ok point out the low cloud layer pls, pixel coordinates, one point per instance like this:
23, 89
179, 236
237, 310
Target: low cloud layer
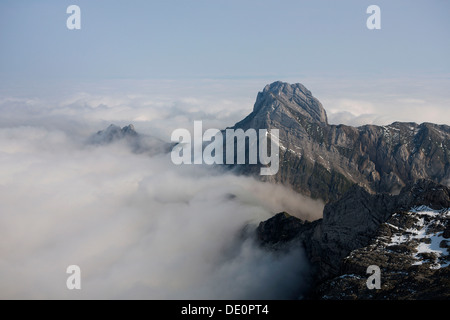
138, 226
384, 101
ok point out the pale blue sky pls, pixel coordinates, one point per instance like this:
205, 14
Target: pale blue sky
222, 39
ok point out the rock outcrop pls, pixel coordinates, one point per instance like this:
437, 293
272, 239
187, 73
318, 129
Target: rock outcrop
113, 133
412, 250
349, 238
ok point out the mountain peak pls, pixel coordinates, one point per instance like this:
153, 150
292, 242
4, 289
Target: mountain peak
323, 161
292, 99
113, 133
280, 86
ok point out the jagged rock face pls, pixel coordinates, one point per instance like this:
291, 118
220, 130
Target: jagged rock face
357, 220
137, 142
323, 160
350, 223
360, 172
279, 100
113, 133
282, 227
412, 250
353, 221
424, 193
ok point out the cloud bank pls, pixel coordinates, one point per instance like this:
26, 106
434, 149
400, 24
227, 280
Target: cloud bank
376, 101
138, 226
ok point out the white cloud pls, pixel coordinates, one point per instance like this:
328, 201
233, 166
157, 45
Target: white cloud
138, 226
383, 101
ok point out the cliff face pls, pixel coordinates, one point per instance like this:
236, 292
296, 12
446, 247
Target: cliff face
323, 160
363, 229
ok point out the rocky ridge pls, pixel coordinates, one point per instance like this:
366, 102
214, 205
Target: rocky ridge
323, 160
412, 249
137, 142
113, 133
361, 229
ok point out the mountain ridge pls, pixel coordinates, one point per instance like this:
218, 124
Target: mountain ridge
387, 198
323, 160
137, 142
347, 240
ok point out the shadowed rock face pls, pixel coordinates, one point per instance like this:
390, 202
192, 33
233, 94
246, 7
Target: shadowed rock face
137, 142
412, 251
349, 238
323, 161
113, 133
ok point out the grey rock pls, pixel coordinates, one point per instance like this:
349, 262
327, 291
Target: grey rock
138, 143
323, 161
408, 271
113, 133
281, 228
371, 177
356, 224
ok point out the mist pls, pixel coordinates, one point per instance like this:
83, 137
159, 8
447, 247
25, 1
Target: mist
138, 226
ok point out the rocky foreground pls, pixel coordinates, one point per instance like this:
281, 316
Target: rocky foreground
407, 236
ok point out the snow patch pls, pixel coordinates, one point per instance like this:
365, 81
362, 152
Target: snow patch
428, 241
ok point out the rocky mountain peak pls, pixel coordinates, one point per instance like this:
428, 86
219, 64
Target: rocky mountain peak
137, 142
292, 99
113, 133
129, 129
323, 160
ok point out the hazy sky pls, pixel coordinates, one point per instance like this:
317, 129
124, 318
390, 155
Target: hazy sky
222, 38
401, 72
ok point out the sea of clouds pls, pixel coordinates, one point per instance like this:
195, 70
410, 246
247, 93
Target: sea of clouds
137, 225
